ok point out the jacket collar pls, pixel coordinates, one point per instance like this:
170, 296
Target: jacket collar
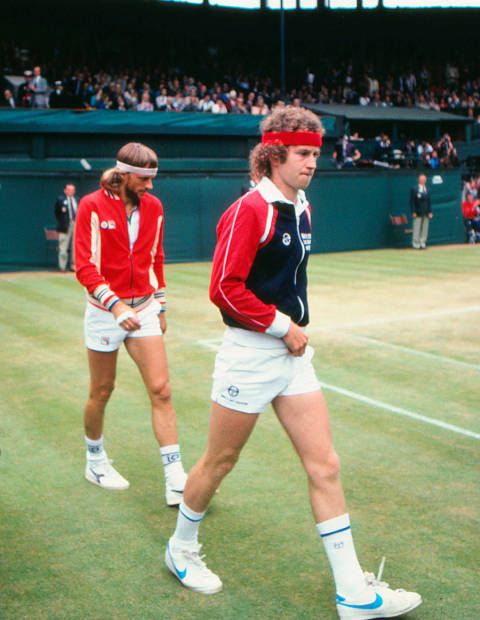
270, 192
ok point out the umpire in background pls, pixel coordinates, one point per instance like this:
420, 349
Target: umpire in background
421, 208
65, 212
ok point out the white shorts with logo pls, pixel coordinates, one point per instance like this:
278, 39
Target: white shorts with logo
103, 334
247, 378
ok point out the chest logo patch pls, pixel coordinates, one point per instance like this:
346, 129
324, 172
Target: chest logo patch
286, 239
107, 225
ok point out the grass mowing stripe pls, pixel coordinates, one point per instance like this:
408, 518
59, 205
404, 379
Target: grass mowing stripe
410, 351
399, 410
394, 319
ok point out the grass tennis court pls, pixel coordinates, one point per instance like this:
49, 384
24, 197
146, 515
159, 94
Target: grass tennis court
397, 341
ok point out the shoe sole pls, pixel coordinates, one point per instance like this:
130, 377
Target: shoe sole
380, 614
207, 591
104, 486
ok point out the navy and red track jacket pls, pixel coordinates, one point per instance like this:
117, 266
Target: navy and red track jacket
259, 278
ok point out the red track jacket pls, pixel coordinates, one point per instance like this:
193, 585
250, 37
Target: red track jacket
105, 265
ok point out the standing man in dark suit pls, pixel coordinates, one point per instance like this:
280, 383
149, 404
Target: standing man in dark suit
65, 212
421, 208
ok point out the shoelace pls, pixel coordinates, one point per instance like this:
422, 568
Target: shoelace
194, 556
376, 581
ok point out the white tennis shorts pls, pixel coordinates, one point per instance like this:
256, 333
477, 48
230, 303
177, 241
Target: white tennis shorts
103, 334
247, 379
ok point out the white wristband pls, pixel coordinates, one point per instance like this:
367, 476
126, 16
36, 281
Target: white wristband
128, 314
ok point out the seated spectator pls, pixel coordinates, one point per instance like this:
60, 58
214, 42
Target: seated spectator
161, 100
471, 218
120, 104
131, 97
145, 104
219, 106
346, 155
238, 105
383, 148
206, 103
432, 160
58, 98
260, 107
8, 99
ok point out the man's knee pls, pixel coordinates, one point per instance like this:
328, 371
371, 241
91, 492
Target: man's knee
325, 470
221, 464
102, 392
160, 392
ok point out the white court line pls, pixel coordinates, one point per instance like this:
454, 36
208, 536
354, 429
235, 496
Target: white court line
214, 344
398, 347
393, 319
399, 411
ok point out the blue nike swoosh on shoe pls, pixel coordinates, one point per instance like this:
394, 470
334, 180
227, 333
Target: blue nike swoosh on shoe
181, 574
374, 605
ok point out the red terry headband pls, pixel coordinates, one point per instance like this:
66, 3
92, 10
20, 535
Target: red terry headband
293, 138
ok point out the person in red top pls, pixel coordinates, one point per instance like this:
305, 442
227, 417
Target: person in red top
119, 261
471, 217
259, 284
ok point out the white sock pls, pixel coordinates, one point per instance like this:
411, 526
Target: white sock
337, 540
172, 466
188, 523
95, 449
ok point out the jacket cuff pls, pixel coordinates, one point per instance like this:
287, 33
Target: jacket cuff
280, 325
105, 296
161, 298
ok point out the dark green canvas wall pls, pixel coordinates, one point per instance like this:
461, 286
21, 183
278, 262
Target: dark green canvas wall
351, 211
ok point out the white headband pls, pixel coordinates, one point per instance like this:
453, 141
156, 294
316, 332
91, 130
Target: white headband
144, 172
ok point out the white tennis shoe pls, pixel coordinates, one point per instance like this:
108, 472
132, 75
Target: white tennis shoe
174, 489
188, 566
104, 475
384, 602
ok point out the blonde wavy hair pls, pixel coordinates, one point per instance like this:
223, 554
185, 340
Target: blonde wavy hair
284, 119
134, 154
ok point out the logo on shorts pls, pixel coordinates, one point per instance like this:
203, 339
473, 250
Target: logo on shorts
107, 224
286, 239
105, 340
233, 391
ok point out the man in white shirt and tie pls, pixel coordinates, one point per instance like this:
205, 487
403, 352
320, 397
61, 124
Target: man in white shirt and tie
421, 208
65, 212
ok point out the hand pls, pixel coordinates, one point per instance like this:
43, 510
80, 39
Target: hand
296, 340
163, 322
130, 324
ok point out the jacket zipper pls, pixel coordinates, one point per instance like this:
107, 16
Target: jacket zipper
302, 307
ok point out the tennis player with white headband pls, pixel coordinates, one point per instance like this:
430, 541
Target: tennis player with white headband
120, 258
259, 284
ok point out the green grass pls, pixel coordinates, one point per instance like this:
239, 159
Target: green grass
71, 551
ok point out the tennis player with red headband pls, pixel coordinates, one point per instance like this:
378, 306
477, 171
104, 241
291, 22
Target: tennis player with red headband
259, 283
118, 245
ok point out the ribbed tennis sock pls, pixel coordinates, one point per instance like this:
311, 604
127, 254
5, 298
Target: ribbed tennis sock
188, 524
337, 540
95, 449
172, 466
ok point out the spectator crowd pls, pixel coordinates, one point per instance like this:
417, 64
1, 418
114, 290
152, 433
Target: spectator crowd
458, 91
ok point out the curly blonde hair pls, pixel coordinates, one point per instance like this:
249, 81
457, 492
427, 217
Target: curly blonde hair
134, 154
284, 119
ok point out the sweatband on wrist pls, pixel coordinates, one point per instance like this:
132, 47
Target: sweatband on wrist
112, 303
